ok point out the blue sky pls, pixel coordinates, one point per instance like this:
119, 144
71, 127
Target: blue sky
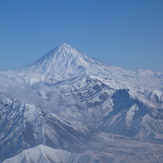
125, 33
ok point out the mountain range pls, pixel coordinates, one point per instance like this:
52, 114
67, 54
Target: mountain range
68, 107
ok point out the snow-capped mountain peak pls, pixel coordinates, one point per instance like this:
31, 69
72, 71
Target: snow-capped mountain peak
62, 56
61, 63
65, 63
63, 50
60, 99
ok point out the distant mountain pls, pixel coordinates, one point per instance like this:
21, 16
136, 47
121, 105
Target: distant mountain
65, 62
76, 105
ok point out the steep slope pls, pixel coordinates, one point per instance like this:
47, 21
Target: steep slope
86, 92
69, 101
44, 154
61, 63
24, 126
107, 106
142, 153
65, 62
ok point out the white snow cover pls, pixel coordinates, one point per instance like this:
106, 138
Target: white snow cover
130, 114
45, 154
65, 62
66, 91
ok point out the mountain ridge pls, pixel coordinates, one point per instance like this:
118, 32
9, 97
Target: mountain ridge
65, 62
69, 101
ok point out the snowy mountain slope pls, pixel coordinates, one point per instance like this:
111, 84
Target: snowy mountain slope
114, 110
64, 62
89, 102
118, 149
69, 101
106, 148
44, 154
24, 126
40, 127
11, 125
89, 93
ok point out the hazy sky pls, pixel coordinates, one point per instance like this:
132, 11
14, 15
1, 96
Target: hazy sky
125, 33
